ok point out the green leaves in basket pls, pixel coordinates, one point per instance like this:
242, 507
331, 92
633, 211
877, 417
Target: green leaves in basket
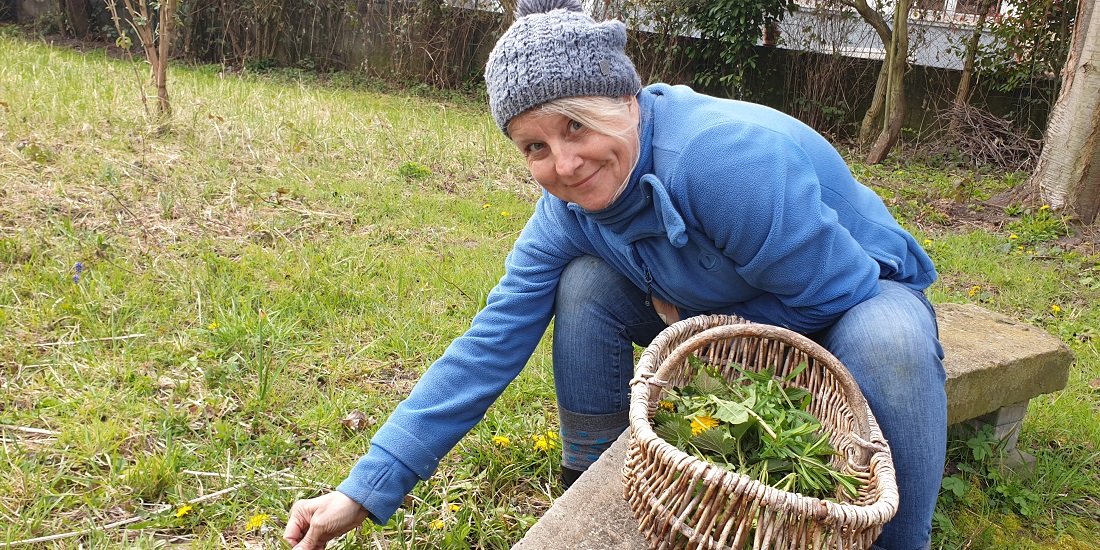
757, 425
672, 428
719, 442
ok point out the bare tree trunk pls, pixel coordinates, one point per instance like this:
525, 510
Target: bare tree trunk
887, 111
873, 117
166, 30
895, 66
962, 93
156, 42
1068, 172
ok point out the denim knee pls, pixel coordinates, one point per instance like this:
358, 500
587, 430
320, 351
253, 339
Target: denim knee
582, 278
598, 317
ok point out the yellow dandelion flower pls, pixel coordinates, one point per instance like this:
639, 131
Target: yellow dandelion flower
1013, 236
214, 325
505, 214
437, 525
974, 290
1055, 309
541, 443
454, 507
501, 441
551, 435
1044, 207
1021, 247
666, 405
700, 424
486, 205
927, 242
255, 522
184, 510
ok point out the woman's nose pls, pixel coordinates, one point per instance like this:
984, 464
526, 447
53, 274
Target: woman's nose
567, 161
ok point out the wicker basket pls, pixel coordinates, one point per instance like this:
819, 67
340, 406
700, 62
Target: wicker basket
681, 501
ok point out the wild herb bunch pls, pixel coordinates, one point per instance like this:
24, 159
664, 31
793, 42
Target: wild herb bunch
758, 426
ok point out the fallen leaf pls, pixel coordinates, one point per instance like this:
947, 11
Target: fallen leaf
203, 410
1094, 383
357, 420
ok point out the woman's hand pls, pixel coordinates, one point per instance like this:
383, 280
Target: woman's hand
315, 521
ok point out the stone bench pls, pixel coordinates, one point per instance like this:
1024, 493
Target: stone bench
994, 365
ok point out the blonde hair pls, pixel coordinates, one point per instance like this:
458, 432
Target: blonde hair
607, 115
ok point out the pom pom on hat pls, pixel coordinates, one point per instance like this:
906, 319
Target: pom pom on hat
554, 50
527, 7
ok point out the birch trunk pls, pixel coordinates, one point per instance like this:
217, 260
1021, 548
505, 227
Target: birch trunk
1068, 172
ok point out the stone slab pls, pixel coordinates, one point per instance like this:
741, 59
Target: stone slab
992, 361
592, 514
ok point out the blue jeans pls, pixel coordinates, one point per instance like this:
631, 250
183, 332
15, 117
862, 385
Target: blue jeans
890, 344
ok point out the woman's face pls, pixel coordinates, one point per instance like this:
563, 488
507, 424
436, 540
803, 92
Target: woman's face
573, 162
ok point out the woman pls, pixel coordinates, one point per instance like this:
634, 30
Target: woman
659, 204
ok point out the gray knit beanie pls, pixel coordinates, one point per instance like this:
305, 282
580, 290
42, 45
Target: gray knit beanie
554, 50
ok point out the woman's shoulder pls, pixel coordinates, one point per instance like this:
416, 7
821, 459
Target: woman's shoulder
682, 101
698, 126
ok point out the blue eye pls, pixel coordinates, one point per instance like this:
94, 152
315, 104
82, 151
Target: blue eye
574, 125
535, 147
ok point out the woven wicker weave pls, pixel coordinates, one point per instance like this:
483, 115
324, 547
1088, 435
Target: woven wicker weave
681, 501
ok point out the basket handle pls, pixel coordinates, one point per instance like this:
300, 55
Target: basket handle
742, 330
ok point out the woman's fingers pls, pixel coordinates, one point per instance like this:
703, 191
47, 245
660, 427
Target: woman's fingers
315, 521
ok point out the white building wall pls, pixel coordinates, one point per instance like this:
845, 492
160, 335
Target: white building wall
936, 37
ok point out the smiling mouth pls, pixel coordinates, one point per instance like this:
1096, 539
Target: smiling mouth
590, 177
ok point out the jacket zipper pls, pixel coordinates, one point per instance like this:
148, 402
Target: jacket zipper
646, 274
648, 286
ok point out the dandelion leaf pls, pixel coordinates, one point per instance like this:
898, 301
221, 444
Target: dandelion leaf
796, 394
730, 411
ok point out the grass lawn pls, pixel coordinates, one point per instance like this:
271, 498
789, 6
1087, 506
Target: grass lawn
202, 322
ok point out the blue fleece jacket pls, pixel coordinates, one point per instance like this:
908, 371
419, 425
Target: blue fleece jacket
732, 208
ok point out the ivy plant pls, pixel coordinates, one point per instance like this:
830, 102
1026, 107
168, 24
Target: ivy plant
728, 31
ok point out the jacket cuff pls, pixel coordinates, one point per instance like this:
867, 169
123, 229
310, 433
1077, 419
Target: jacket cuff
379, 483
405, 448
